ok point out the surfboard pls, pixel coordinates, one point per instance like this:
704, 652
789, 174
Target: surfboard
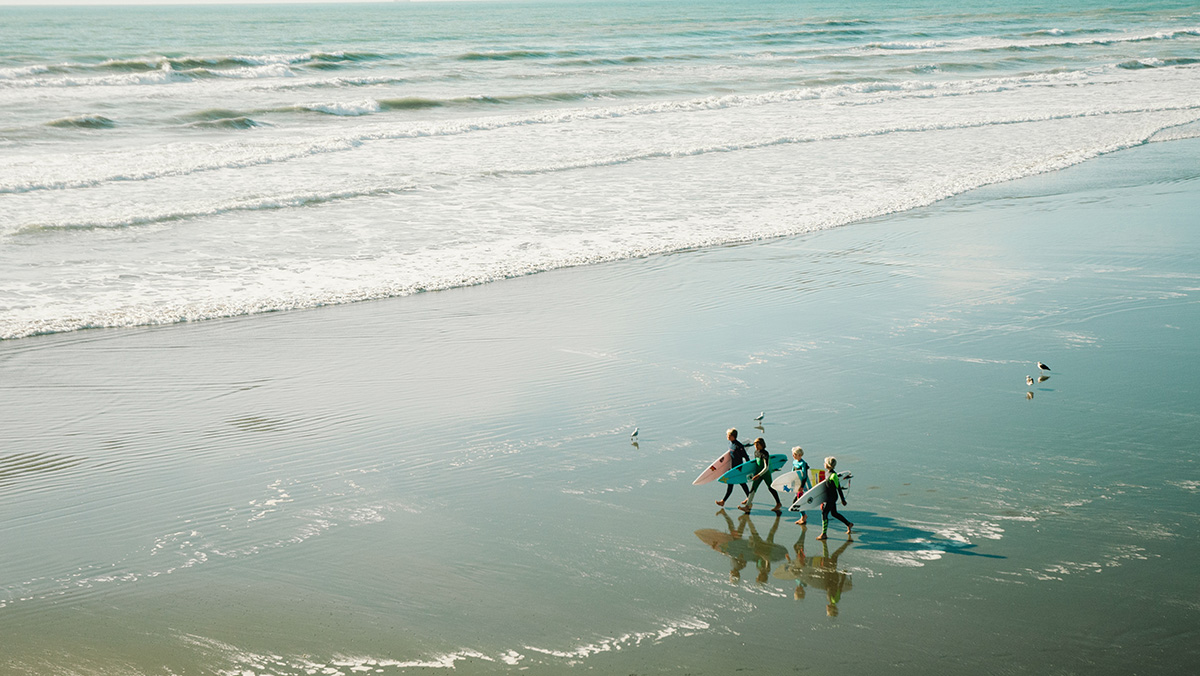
818, 474
814, 496
788, 483
742, 473
719, 466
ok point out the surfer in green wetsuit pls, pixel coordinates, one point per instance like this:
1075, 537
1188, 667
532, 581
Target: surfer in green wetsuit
830, 505
763, 476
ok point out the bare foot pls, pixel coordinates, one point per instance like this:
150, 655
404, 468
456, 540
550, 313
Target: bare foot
849, 528
744, 509
821, 536
720, 503
803, 520
778, 508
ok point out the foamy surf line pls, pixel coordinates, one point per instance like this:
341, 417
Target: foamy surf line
289, 201
242, 662
485, 262
251, 155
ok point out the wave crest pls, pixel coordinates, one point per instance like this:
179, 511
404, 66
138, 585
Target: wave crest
83, 122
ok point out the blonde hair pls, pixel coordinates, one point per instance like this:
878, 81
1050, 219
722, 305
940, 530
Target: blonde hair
797, 449
831, 462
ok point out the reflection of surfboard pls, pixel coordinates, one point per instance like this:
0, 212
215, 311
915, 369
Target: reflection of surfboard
739, 547
747, 548
720, 466
816, 574
790, 572
715, 538
742, 473
814, 496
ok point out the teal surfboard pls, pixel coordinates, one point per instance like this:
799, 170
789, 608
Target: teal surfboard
742, 473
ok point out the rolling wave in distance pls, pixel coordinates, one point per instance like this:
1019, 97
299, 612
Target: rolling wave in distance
206, 174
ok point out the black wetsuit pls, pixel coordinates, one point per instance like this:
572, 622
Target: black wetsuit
738, 450
830, 505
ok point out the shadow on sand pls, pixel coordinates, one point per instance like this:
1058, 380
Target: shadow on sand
883, 533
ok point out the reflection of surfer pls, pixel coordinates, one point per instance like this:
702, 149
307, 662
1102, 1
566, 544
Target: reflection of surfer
738, 450
737, 555
817, 572
835, 580
742, 550
797, 565
730, 544
830, 505
765, 551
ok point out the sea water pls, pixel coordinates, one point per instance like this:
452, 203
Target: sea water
167, 164
445, 483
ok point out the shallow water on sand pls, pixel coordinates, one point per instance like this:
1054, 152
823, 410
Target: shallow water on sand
447, 480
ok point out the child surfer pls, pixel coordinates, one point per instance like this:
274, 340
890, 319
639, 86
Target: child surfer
801, 467
830, 505
763, 476
738, 450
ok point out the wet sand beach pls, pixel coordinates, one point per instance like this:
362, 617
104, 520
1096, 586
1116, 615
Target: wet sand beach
446, 482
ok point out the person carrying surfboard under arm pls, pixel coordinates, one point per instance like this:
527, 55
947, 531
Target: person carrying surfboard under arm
830, 505
801, 467
738, 450
764, 475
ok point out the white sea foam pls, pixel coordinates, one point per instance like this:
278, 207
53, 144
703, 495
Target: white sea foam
346, 108
30, 173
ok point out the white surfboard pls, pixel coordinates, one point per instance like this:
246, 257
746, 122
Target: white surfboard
787, 483
819, 493
719, 466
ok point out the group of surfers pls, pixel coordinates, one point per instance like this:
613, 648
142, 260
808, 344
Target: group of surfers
738, 451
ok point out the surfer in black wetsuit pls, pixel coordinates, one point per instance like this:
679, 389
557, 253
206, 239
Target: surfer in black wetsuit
738, 450
831, 498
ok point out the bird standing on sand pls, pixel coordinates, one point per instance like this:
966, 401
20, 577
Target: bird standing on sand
634, 435
1043, 366
760, 417
1028, 380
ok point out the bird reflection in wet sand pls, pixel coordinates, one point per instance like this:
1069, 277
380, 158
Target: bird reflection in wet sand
1029, 395
1042, 379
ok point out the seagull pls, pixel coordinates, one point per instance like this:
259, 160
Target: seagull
1043, 366
634, 435
760, 417
1028, 380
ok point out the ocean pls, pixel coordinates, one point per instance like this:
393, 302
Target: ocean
169, 164
865, 221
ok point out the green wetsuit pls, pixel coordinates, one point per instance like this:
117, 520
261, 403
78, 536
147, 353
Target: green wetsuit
763, 459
